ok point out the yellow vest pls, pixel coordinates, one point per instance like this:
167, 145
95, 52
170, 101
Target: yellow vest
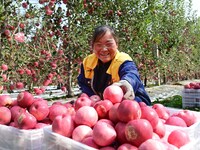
90, 62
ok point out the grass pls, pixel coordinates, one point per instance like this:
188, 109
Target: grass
175, 102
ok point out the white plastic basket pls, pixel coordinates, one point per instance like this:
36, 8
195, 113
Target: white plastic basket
16, 139
190, 98
193, 131
54, 141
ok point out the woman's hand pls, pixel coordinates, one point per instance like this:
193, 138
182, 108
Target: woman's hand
127, 89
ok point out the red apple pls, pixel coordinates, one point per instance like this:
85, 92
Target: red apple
5, 115
19, 85
14, 103
152, 144
112, 113
46, 121
4, 67
178, 138
82, 101
187, 86
63, 125
120, 129
113, 93
127, 146
80, 132
128, 110
16, 110
56, 110
68, 104
71, 111
192, 85
197, 86
12, 124
175, 121
57, 102
38, 91
39, 109
25, 121
107, 121
138, 131
142, 104
95, 98
12, 87
187, 115
63, 88
5, 100
103, 134
90, 142
86, 115
25, 99
160, 129
107, 148
41, 99
150, 114
103, 107
83, 95
40, 125
161, 111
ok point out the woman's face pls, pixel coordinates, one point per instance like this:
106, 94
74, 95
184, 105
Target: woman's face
105, 48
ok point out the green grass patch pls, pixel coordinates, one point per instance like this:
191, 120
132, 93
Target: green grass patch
174, 102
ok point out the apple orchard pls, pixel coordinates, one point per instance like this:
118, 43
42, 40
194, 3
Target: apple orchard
43, 42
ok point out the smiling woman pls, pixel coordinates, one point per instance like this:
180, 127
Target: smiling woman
107, 66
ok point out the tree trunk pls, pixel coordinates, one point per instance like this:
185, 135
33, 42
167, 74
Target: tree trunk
145, 81
164, 78
157, 55
70, 92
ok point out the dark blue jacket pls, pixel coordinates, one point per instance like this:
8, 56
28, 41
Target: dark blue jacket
95, 77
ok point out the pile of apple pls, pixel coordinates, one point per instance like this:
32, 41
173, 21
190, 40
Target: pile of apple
192, 85
26, 112
108, 123
117, 123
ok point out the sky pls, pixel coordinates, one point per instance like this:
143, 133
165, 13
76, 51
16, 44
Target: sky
196, 6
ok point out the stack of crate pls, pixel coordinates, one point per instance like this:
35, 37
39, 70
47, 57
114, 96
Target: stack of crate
191, 96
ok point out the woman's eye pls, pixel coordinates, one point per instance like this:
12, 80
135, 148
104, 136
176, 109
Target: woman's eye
98, 45
109, 44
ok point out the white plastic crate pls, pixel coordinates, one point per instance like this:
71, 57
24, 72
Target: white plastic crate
191, 92
54, 141
16, 139
193, 131
190, 98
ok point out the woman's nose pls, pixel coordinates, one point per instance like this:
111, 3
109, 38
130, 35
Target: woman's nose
104, 47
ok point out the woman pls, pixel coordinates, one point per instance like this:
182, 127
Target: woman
108, 66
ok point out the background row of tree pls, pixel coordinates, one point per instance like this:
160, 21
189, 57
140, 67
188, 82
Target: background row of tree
162, 36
